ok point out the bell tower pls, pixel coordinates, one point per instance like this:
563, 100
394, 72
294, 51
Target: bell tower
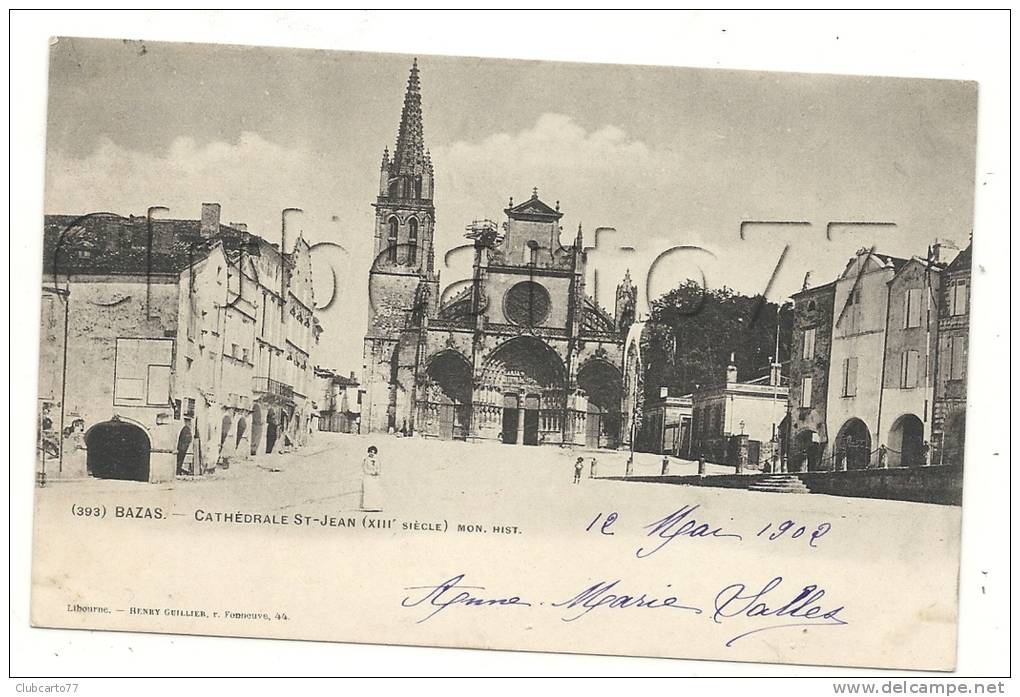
405, 218
403, 286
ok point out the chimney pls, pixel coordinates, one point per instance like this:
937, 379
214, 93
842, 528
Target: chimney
775, 374
731, 369
210, 219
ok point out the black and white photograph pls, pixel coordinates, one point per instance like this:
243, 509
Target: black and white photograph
396, 347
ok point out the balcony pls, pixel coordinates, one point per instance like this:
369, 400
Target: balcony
275, 388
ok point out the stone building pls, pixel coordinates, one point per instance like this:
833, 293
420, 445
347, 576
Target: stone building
169, 330
339, 398
809, 376
666, 426
873, 334
905, 418
860, 316
950, 417
520, 355
741, 422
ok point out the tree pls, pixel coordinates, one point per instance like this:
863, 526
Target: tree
693, 330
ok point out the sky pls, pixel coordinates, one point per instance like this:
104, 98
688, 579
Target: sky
671, 160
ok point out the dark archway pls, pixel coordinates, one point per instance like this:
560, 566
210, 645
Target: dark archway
272, 430
256, 428
118, 450
242, 427
853, 445
906, 442
183, 446
224, 430
806, 454
602, 382
444, 407
530, 376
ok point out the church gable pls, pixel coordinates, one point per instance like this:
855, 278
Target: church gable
533, 209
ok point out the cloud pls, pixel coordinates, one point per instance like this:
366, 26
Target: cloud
253, 178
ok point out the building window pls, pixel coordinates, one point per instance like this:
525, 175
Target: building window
909, 362
912, 308
809, 343
805, 392
391, 242
851, 322
957, 357
849, 377
142, 372
412, 241
958, 298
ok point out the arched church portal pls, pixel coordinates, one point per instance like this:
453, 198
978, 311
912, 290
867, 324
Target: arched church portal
529, 376
603, 385
444, 403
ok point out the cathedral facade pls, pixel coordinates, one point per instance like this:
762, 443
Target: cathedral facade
521, 354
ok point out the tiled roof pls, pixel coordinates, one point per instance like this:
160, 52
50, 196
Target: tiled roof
961, 261
815, 289
107, 243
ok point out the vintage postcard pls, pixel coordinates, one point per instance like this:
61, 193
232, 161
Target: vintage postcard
503, 354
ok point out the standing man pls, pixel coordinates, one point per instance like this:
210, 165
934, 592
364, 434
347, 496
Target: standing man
578, 468
665, 463
594, 464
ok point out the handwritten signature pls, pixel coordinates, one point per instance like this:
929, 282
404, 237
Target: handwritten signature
730, 604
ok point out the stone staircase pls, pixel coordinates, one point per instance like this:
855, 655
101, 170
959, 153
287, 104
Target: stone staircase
781, 483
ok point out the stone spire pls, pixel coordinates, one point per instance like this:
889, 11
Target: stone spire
409, 155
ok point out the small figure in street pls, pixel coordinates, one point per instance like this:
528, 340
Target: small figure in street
701, 464
925, 449
370, 482
665, 463
592, 471
578, 468
630, 466
883, 455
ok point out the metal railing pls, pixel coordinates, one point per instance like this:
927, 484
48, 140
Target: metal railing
274, 387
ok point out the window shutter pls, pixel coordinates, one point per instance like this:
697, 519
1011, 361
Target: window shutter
910, 375
851, 377
959, 359
809, 343
805, 392
960, 298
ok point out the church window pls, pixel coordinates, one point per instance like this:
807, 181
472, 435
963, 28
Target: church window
527, 304
391, 242
412, 241
532, 252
